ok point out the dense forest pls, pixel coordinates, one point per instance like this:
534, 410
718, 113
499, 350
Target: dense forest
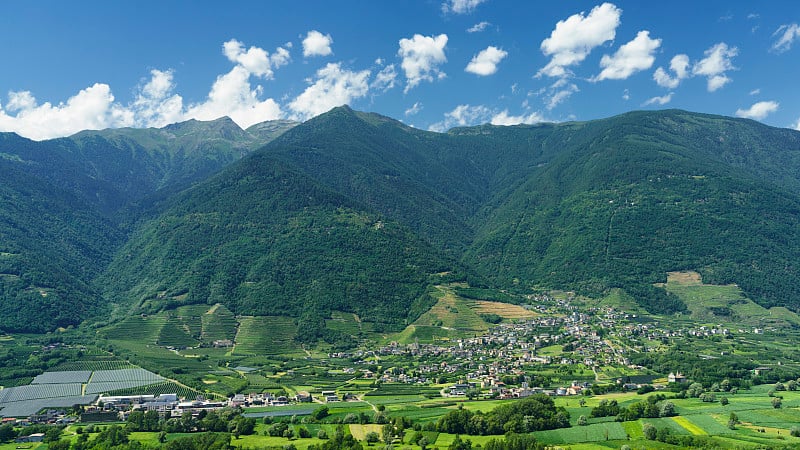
357, 212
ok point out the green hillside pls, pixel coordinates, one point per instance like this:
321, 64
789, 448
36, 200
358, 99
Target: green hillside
61, 204
357, 214
627, 199
262, 239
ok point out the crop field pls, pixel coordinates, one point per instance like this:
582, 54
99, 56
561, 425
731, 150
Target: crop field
452, 312
589, 433
178, 331
38, 391
218, 324
92, 365
269, 335
143, 329
167, 387
29, 407
360, 431
345, 322
504, 310
77, 376
724, 303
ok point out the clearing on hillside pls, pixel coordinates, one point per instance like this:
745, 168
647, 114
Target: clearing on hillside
504, 310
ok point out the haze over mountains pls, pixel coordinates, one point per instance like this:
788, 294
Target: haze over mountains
357, 212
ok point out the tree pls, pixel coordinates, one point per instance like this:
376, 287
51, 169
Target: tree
322, 434
776, 402
372, 437
303, 433
458, 444
583, 421
162, 437
423, 443
7, 432
733, 420
320, 413
649, 431
723, 401
387, 433
667, 409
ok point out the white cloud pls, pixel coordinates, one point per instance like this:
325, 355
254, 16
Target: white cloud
503, 118
462, 116
486, 61
317, 44
663, 100
255, 60
422, 56
635, 56
232, 95
417, 107
626, 95
758, 111
92, 108
679, 66
715, 64
385, 79
334, 87
154, 104
460, 6
755, 92
796, 125
788, 34
574, 38
478, 27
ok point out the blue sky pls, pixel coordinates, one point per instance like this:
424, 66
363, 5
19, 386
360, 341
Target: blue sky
434, 64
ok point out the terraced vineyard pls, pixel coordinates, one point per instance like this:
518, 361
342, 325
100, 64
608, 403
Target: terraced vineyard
218, 324
176, 332
143, 329
271, 335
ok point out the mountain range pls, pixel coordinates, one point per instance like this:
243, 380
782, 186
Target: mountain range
357, 212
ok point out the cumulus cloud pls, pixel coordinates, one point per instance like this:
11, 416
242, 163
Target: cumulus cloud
635, 56
333, 87
385, 79
255, 60
422, 56
92, 108
626, 95
574, 38
462, 116
460, 6
317, 44
758, 111
663, 100
787, 34
503, 118
796, 125
478, 27
154, 104
717, 61
417, 107
485, 63
679, 66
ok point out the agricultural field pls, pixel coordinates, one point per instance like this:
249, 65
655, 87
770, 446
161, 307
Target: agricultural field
726, 304
269, 335
67, 388
504, 310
